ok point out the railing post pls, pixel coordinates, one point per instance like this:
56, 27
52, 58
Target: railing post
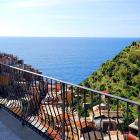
139, 122
63, 111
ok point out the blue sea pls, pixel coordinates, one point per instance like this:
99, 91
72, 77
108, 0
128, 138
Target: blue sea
68, 59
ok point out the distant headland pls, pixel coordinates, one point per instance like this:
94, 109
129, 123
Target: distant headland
12, 60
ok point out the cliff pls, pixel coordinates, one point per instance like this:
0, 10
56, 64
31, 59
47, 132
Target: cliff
120, 76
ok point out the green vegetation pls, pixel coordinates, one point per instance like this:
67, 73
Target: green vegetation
121, 75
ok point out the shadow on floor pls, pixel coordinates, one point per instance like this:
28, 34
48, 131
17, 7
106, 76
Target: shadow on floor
11, 129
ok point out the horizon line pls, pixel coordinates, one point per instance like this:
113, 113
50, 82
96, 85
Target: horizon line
69, 36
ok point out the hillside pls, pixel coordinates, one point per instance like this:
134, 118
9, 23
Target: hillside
121, 75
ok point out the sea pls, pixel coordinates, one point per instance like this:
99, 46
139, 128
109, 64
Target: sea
69, 59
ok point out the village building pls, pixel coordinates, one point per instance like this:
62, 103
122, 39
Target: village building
133, 130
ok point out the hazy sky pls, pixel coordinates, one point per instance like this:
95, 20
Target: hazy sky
90, 18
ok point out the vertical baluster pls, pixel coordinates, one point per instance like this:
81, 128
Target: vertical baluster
139, 122
59, 117
101, 119
67, 112
73, 107
117, 119
54, 110
63, 111
50, 110
84, 103
47, 115
108, 111
127, 117
93, 123
79, 109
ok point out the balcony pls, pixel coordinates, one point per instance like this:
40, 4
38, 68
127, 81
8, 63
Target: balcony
55, 109
11, 129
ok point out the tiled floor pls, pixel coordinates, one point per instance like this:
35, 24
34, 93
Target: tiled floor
11, 129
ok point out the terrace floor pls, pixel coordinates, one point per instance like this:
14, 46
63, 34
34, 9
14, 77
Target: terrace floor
11, 128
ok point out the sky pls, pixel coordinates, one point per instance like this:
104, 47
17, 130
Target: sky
70, 18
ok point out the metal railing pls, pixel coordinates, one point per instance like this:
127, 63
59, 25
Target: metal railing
61, 110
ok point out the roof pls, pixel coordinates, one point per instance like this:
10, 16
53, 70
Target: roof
99, 137
84, 124
68, 117
111, 114
133, 125
92, 135
106, 91
99, 105
105, 120
114, 136
13, 104
51, 110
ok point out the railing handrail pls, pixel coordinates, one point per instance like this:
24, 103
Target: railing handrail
78, 86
